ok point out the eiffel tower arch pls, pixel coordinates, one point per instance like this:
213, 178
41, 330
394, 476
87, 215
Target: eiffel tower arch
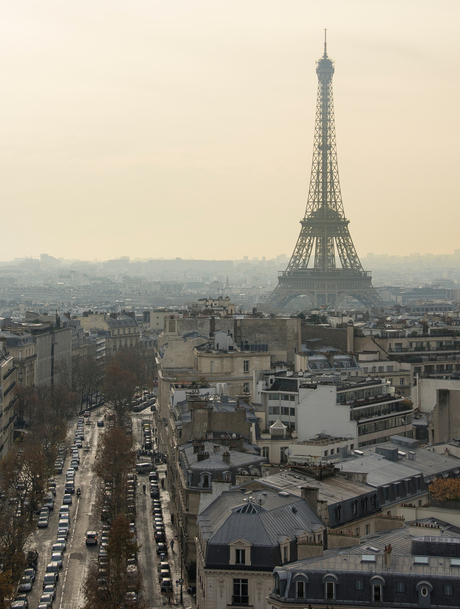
324, 265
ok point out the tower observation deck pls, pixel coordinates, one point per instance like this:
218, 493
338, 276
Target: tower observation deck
324, 265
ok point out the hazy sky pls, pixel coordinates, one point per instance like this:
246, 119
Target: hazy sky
167, 128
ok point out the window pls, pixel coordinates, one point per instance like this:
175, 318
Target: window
377, 593
246, 365
389, 368
401, 381
212, 367
400, 586
240, 592
359, 584
284, 410
292, 412
266, 452
368, 529
273, 410
330, 590
246, 387
300, 589
448, 590
285, 554
205, 479
240, 557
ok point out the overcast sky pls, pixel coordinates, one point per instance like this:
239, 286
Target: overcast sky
184, 128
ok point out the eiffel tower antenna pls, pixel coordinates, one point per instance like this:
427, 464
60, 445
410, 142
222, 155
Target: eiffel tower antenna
324, 265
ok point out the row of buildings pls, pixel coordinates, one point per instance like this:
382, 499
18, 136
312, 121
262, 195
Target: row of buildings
42, 350
300, 476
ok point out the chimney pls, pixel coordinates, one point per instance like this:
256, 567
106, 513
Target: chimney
310, 494
203, 456
226, 457
212, 327
387, 555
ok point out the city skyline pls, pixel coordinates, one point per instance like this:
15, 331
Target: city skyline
185, 130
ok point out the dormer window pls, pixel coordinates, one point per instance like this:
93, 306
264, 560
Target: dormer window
240, 553
205, 481
240, 557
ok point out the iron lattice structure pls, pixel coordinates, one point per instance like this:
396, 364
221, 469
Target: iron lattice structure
321, 276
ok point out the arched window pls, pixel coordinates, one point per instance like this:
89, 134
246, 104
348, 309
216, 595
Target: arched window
374, 501
338, 512
227, 476
329, 582
377, 584
205, 480
355, 507
300, 585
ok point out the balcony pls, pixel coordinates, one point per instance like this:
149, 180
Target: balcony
10, 388
9, 373
372, 400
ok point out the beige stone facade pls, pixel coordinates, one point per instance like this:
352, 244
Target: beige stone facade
122, 329
8, 381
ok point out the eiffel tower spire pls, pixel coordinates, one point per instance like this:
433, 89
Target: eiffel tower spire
324, 264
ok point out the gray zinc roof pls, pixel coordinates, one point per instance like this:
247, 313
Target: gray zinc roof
263, 520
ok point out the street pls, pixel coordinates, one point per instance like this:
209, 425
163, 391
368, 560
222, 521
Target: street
77, 557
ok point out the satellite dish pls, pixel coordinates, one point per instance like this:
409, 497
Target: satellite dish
288, 452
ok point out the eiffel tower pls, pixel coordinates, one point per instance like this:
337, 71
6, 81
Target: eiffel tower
321, 276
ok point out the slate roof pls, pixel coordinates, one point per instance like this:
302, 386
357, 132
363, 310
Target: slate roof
402, 559
381, 471
426, 461
264, 520
332, 489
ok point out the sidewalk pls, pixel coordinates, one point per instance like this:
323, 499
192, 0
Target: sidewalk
173, 556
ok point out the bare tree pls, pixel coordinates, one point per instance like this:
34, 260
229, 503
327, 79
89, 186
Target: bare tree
114, 460
119, 386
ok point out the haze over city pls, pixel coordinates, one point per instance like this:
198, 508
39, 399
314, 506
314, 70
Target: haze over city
184, 129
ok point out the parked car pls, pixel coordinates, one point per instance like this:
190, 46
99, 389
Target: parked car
29, 573
49, 579
51, 590
25, 585
57, 557
58, 548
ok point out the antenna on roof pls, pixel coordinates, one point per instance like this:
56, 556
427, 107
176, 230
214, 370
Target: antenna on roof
325, 42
